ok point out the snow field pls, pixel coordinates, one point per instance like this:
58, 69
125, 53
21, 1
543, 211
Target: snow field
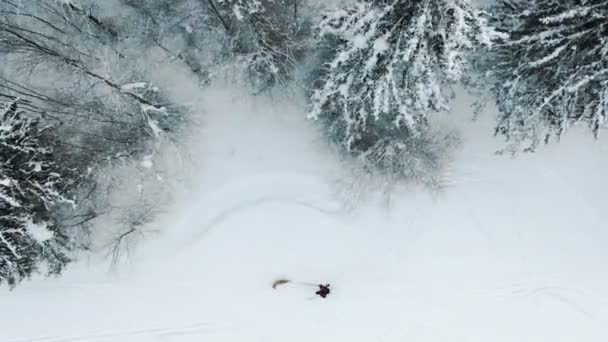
512, 250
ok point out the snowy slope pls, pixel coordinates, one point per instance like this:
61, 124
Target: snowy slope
513, 250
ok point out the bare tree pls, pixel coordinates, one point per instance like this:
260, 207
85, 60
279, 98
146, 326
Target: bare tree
79, 72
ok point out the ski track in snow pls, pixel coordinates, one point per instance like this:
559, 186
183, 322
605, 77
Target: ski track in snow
571, 297
262, 189
248, 205
105, 335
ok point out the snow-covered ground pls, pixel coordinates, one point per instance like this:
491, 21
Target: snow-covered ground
513, 250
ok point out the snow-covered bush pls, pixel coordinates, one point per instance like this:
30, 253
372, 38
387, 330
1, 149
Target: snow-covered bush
390, 65
551, 72
132, 194
32, 184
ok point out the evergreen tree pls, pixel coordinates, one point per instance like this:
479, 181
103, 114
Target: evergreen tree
552, 70
31, 184
391, 64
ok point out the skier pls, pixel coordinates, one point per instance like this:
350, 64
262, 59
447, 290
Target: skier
323, 290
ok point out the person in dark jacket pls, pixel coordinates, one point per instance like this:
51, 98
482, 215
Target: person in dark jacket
323, 290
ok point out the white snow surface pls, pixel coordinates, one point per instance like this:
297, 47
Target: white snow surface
134, 86
513, 250
38, 231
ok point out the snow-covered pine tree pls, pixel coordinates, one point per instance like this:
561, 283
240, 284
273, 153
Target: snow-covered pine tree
31, 184
391, 64
552, 70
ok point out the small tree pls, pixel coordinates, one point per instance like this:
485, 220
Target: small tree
390, 65
551, 72
31, 185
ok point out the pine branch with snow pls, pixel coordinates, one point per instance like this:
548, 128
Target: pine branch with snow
552, 71
392, 64
31, 185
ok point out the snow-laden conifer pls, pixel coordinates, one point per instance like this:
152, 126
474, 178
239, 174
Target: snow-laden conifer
391, 64
31, 184
552, 70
